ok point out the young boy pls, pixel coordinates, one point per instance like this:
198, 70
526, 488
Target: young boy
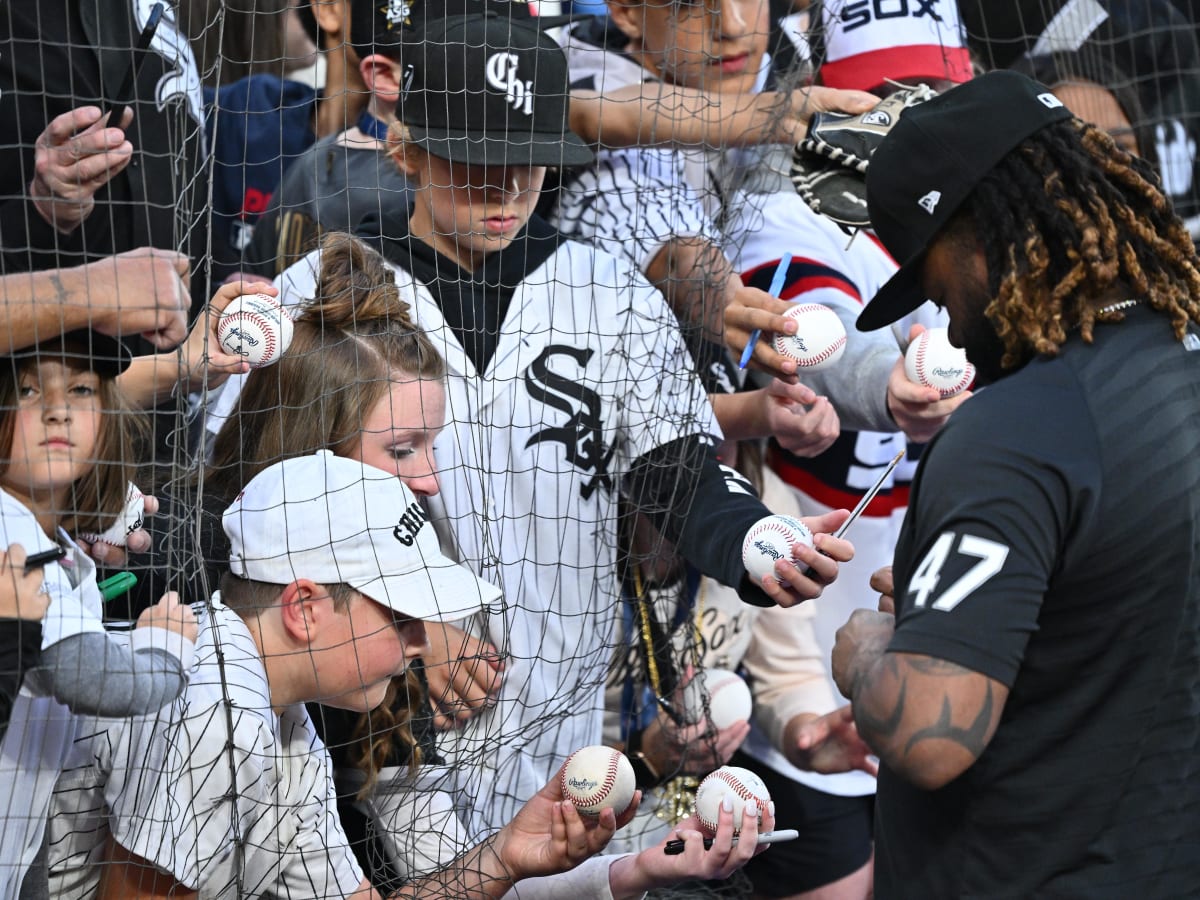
333, 569
568, 382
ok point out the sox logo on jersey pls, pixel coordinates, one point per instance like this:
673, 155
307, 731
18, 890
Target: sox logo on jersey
581, 436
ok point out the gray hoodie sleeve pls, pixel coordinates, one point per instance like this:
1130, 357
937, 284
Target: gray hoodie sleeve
94, 674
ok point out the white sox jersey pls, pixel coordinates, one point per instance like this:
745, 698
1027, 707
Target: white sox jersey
229, 798
589, 374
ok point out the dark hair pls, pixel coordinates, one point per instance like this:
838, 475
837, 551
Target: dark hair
1070, 215
98, 496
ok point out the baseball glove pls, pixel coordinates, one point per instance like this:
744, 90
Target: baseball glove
829, 167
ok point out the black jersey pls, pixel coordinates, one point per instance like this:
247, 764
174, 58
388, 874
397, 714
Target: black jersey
1053, 544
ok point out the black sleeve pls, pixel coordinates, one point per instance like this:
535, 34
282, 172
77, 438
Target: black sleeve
20, 651
702, 507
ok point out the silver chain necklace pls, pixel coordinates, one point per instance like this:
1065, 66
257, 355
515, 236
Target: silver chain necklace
1117, 307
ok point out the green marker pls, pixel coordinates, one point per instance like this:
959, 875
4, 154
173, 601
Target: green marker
121, 583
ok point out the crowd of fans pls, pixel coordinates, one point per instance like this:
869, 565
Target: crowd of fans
489, 505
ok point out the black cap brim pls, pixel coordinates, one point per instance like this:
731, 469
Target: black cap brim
560, 150
900, 295
104, 355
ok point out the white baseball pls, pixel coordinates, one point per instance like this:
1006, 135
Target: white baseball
132, 518
256, 327
598, 778
727, 694
729, 781
933, 361
820, 338
769, 539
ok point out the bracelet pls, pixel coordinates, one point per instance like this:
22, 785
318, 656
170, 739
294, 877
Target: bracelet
644, 774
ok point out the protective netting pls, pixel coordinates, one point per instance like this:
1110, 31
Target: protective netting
525, 335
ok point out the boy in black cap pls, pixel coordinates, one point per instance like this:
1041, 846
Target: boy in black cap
1035, 702
568, 382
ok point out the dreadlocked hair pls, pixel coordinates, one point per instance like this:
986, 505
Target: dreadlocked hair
1063, 219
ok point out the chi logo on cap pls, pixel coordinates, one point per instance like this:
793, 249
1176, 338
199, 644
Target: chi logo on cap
410, 524
397, 13
501, 70
1049, 101
930, 201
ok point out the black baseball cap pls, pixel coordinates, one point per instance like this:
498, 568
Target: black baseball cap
104, 355
487, 90
384, 26
929, 163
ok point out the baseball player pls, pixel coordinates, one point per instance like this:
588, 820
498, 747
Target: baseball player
1034, 701
573, 385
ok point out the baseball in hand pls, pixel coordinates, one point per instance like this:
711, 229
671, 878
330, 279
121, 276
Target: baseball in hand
820, 338
132, 518
933, 361
726, 694
598, 778
770, 539
256, 327
729, 781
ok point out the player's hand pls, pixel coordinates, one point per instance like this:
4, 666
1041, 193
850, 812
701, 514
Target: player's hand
464, 674
171, 615
857, 645
202, 359
751, 309
881, 580
919, 411
548, 835
827, 744
801, 421
74, 157
138, 541
21, 594
811, 568
140, 292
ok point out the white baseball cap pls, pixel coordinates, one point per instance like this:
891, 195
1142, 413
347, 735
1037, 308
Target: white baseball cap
338, 521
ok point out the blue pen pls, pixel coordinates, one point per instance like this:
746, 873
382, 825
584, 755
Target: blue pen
776, 287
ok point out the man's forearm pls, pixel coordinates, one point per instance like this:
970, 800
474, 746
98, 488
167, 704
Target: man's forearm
38, 306
927, 719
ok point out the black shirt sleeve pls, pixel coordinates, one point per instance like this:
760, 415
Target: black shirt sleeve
702, 507
995, 498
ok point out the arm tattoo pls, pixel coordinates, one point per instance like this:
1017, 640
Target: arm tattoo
973, 738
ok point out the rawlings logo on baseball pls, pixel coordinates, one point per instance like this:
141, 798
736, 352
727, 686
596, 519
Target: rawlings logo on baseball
771, 539
598, 778
256, 327
820, 338
931, 360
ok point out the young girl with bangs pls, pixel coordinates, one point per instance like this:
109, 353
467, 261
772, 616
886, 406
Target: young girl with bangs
66, 456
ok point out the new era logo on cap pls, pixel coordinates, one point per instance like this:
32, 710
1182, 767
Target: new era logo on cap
953, 140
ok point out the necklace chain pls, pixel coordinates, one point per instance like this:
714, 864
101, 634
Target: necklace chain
1117, 307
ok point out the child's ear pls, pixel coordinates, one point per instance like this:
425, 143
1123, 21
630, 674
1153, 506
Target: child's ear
304, 607
379, 75
628, 18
